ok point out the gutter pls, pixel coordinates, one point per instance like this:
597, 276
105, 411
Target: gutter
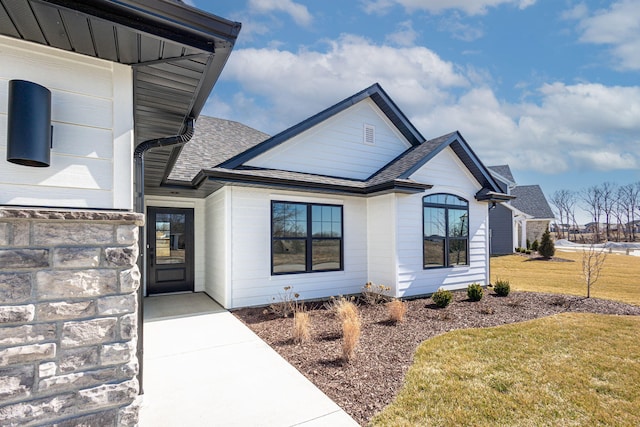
138, 156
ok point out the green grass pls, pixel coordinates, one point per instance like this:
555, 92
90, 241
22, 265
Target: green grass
619, 280
568, 369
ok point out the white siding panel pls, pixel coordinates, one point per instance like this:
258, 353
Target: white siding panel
381, 238
447, 175
199, 226
217, 232
251, 250
92, 118
336, 147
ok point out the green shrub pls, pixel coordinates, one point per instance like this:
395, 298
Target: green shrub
528, 244
502, 287
475, 292
547, 249
442, 297
528, 252
535, 245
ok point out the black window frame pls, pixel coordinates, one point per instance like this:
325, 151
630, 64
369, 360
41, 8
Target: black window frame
446, 239
308, 239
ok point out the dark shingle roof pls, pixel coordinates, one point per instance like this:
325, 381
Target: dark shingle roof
503, 170
530, 200
215, 141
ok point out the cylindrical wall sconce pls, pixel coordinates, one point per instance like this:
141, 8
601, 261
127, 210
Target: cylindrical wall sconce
29, 124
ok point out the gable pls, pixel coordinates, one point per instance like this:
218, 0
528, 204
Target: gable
337, 145
447, 173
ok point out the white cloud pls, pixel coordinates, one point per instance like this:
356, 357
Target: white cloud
470, 7
405, 36
617, 27
569, 127
298, 12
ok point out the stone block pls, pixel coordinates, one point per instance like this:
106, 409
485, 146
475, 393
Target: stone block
27, 353
76, 257
15, 287
27, 334
127, 234
88, 332
129, 415
21, 233
16, 382
123, 393
47, 369
19, 414
72, 233
24, 258
118, 304
117, 353
130, 280
66, 284
129, 327
17, 313
77, 380
108, 418
64, 310
121, 257
4, 234
77, 359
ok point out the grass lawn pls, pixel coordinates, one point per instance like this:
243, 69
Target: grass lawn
569, 369
619, 279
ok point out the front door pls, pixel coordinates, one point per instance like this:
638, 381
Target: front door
169, 250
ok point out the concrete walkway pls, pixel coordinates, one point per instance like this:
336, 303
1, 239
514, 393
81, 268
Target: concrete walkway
203, 367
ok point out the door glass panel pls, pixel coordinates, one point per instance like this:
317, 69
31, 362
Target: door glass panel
170, 238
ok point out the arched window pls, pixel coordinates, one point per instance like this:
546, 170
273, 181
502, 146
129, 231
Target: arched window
445, 230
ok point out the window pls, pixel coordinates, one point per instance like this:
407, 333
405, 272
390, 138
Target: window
305, 237
446, 231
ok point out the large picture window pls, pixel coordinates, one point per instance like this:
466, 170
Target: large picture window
305, 237
445, 231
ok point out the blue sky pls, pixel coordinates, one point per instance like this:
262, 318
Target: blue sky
550, 87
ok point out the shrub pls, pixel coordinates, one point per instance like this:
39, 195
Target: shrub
345, 309
528, 251
301, 330
350, 332
285, 303
502, 287
442, 297
396, 309
375, 294
547, 249
535, 245
528, 244
475, 292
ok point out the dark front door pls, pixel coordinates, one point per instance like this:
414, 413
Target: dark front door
169, 250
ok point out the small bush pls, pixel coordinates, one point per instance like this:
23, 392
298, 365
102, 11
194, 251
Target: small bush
345, 309
396, 309
528, 244
535, 245
502, 287
475, 292
350, 334
442, 297
528, 252
547, 249
375, 294
301, 330
285, 303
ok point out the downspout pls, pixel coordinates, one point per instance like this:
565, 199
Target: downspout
138, 156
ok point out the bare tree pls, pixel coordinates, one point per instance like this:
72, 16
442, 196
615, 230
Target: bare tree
608, 192
592, 199
592, 262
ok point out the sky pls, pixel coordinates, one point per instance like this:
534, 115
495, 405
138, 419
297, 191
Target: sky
549, 87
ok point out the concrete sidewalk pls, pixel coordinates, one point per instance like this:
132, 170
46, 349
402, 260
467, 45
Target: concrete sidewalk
203, 367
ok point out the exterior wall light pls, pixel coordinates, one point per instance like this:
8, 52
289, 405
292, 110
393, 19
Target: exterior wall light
29, 124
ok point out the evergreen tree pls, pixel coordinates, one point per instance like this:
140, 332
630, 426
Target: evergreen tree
547, 249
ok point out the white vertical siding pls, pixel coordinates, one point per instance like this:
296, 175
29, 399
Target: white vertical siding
218, 244
447, 175
92, 116
381, 237
251, 249
336, 147
200, 226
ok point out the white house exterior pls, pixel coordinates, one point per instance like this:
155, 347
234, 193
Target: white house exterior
378, 172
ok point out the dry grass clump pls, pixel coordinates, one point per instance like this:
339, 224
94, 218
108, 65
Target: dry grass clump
396, 310
301, 327
347, 312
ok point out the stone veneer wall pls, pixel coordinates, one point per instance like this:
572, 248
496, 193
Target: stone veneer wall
535, 229
68, 317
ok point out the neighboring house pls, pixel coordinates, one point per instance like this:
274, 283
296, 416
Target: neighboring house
526, 217
86, 87
350, 195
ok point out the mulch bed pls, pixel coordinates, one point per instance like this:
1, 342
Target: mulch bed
369, 382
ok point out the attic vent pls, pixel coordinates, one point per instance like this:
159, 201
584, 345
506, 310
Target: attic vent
369, 134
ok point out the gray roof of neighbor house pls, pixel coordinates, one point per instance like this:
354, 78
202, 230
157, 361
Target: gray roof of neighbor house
177, 53
503, 171
530, 200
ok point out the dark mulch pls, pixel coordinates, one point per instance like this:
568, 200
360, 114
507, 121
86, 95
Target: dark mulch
369, 382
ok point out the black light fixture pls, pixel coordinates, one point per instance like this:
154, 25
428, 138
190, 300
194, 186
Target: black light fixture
29, 124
